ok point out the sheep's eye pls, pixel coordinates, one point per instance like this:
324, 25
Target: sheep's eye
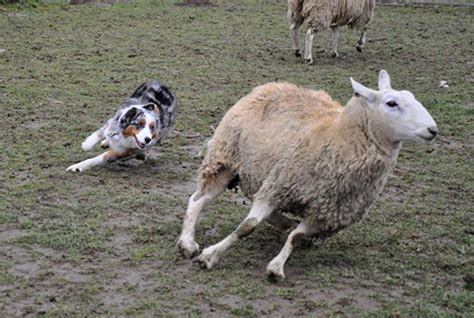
392, 104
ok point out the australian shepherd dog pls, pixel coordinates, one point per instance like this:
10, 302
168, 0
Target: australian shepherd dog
144, 120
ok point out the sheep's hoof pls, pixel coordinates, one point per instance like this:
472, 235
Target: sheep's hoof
275, 273
207, 259
188, 249
309, 61
297, 53
334, 54
359, 48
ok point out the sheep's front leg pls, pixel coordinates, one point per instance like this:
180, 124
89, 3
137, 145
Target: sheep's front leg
361, 42
260, 211
186, 244
275, 267
335, 41
309, 46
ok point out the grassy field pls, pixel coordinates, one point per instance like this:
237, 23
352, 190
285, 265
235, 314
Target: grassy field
103, 242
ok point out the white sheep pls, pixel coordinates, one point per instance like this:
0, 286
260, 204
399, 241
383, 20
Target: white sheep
298, 151
324, 14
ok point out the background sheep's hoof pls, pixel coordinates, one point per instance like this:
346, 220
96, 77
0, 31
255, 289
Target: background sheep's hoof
309, 61
188, 249
334, 54
297, 53
359, 48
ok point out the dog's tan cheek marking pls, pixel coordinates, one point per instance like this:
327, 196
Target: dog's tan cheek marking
154, 135
130, 131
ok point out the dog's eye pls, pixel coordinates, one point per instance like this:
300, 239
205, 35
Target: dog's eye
392, 104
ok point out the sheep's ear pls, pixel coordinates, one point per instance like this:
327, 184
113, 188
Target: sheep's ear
360, 90
384, 80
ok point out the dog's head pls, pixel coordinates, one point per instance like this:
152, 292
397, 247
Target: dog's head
140, 123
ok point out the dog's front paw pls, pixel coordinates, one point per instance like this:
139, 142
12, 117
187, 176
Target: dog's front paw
86, 146
78, 167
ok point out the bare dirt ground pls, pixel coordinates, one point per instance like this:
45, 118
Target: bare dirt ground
102, 243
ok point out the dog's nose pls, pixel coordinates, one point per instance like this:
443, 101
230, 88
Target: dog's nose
147, 140
433, 130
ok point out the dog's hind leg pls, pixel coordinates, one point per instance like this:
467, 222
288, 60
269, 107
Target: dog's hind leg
109, 156
94, 139
104, 144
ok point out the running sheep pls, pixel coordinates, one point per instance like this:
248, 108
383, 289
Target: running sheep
296, 150
324, 14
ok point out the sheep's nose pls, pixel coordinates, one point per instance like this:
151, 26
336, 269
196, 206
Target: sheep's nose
148, 139
433, 130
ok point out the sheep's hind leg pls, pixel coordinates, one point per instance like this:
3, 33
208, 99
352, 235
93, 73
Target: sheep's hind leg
308, 57
207, 191
361, 42
275, 267
210, 256
335, 41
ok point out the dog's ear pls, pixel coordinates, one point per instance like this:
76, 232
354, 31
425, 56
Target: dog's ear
152, 107
139, 91
164, 96
128, 117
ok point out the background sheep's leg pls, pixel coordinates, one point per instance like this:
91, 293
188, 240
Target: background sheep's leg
361, 42
309, 46
335, 41
275, 267
186, 244
295, 20
210, 256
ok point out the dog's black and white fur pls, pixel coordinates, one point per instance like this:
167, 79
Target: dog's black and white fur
144, 120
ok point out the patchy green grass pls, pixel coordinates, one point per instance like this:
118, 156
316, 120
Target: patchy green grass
103, 242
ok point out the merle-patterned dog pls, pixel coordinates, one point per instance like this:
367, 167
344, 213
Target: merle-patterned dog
144, 120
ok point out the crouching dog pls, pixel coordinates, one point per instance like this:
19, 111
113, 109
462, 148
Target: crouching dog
144, 120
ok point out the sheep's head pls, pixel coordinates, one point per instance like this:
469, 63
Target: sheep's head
404, 118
